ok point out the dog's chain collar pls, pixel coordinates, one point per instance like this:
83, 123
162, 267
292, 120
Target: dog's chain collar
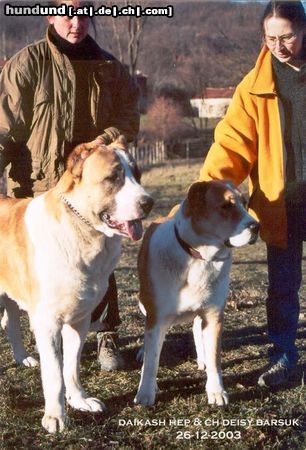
190, 250
76, 212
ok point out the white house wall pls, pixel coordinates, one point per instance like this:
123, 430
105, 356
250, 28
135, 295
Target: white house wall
210, 108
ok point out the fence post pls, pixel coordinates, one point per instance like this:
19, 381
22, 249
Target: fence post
187, 150
149, 154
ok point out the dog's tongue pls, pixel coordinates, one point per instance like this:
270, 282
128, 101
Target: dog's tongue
134, 229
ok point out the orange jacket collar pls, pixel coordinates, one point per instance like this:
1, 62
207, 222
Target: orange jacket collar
263, 83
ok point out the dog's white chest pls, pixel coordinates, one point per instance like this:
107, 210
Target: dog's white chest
203, 283
72, 278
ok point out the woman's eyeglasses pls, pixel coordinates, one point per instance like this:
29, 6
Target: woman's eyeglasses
284, 39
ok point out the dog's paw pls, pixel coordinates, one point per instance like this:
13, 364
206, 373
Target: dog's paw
86, 404
53, 424
145, 398
27, 361
201, 365
218, 398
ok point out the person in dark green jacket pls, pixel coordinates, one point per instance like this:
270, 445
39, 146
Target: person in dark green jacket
55, 94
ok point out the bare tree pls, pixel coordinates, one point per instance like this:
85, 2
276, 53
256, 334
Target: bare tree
128, 33
165, 120
135, 29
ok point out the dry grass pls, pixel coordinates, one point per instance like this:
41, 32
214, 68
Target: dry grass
182, 395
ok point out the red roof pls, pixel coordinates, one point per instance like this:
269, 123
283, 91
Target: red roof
222, 92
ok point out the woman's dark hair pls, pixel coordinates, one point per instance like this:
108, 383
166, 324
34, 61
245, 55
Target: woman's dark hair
290, 10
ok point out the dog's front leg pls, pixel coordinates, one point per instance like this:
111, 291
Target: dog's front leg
153, 342
73, 341
11, 324
198, 340
48, 339
212, 332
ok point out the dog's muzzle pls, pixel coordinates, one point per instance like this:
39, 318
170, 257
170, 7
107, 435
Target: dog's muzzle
131, 228
253, 229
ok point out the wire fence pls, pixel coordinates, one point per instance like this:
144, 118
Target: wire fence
153, 153
149, 154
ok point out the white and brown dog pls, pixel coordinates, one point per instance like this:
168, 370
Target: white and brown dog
184, 265
56, 254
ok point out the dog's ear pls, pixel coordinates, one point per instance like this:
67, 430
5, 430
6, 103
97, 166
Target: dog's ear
120, 143
77, 157
196, 197
121, 140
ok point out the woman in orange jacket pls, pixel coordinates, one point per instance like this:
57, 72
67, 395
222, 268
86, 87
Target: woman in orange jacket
263, 136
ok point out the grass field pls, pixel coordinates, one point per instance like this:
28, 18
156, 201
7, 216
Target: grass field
181, 418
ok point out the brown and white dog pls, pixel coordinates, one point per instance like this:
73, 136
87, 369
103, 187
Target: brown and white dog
56, 254
184, 265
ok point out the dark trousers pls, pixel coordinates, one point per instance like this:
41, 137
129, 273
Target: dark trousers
285, 277
108, 306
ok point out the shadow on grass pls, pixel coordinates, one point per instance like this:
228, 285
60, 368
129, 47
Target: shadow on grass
241, 387
179, 347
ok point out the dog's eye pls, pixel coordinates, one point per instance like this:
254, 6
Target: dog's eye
115, 176
244, 202
112, 178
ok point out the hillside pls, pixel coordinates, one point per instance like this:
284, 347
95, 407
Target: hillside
203, 44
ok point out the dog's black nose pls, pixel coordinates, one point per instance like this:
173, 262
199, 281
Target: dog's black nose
254, 227
146, 203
